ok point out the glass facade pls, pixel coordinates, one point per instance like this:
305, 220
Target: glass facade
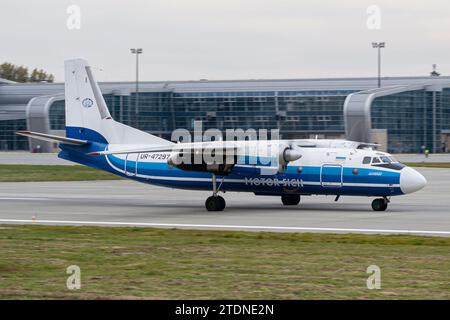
445, 109
413, 119
297, 113
57, 115
8, 139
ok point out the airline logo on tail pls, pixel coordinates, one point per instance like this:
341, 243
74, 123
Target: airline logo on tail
87, 103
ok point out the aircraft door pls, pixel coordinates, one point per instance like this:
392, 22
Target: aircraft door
331, 175
131, 162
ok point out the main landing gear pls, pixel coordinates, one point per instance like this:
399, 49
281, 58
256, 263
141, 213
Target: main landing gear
380, 204
215, 202
290, 199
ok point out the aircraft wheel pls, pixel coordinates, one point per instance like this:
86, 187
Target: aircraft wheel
379, 204
222, 203
215, 203
290, 199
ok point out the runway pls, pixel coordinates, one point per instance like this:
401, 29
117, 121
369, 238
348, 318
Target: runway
114, 203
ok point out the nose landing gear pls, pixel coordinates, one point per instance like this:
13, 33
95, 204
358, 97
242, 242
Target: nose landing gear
380, 204
215, 202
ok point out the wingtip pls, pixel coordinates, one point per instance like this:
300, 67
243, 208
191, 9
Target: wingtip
23, 132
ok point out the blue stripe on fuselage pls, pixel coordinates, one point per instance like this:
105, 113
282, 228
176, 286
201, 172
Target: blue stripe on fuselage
159, 173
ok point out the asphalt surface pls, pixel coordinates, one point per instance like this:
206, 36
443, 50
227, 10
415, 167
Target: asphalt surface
129, 203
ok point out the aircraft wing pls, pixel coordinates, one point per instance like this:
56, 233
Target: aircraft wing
367, 144
51, 138
305, 144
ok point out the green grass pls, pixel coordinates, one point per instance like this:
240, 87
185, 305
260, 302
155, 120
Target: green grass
176, 264
20, 173
429, 164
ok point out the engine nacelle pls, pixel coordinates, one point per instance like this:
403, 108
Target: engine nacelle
193, 160
279, 156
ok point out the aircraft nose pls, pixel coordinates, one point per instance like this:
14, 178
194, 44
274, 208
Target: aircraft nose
411, 180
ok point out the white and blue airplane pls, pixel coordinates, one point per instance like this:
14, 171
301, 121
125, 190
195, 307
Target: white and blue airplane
302, 167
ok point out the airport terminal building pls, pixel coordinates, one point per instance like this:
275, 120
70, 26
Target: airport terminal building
403, 115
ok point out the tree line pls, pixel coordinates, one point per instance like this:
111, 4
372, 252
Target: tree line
10, 71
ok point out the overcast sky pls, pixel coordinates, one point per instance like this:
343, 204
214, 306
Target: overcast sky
228, 39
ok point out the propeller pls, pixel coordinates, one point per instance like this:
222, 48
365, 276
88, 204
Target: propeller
292, 153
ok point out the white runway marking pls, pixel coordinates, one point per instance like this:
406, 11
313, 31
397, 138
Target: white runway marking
221, 226
24, 199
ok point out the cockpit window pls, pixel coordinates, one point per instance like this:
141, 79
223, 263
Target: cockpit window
366, 160
393, 159
385, 159
387, 162
375, 160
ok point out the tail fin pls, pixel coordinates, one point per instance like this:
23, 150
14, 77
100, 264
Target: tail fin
87, 115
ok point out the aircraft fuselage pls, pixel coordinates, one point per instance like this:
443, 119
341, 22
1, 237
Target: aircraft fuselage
335, 171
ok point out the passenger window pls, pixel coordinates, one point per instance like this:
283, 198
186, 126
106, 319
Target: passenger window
366, 160
375, 160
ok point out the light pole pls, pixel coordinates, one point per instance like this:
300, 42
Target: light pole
379, 45
137, 52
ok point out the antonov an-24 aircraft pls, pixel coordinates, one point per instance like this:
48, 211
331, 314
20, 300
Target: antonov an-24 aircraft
303, 167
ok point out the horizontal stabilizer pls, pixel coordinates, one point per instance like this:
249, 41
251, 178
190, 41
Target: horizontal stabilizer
51, 138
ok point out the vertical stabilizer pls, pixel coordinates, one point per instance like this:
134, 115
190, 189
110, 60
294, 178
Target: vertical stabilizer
87, 115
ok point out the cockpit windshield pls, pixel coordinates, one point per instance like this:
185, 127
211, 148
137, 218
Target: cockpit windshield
376, 160
386, 159
384, 162
381, 159
393, 160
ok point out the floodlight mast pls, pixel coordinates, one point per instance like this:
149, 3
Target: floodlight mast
137, 52
379, 46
